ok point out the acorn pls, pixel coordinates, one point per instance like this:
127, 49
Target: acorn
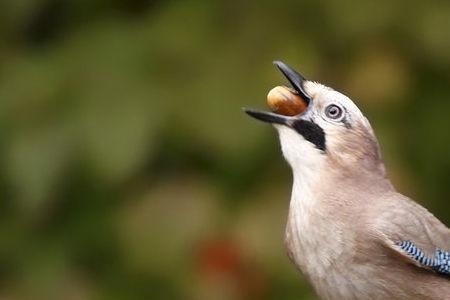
285, 101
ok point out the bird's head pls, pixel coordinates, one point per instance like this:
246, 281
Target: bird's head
331, 131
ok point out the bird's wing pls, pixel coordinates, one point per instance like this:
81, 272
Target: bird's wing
413, 233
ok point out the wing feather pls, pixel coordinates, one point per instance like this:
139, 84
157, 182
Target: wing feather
414, 234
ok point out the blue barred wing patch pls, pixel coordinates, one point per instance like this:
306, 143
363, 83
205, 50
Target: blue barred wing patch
439, 263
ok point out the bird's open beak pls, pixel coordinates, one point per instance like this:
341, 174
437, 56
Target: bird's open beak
297, 81
268, 117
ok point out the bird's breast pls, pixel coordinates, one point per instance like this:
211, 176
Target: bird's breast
314, 243
319, 244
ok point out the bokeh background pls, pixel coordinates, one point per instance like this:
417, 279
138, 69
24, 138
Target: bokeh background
129, 171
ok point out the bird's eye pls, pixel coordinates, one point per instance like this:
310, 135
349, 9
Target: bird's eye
333, 111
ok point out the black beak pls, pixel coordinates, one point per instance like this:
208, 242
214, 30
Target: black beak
301, 123
295, 79
268, 117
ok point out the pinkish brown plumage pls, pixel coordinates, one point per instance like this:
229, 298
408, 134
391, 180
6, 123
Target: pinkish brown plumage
349, 231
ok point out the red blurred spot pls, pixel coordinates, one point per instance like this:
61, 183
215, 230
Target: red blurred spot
219, 256
221, 259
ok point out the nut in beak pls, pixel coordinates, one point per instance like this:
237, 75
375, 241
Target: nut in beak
285, 101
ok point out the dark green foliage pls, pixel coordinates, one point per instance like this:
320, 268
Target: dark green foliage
129, 171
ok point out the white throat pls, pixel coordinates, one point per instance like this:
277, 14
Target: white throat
303, 237
304, 158
307, 163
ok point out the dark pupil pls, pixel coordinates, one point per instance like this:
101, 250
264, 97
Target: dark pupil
333, 111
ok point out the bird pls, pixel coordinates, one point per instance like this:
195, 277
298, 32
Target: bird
349, 231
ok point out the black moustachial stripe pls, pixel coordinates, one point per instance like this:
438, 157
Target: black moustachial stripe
311, 132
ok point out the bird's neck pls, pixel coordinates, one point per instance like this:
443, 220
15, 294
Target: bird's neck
306, 180
310, 237
317, 231
325, 177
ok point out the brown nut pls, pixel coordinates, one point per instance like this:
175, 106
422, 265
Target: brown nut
285, 101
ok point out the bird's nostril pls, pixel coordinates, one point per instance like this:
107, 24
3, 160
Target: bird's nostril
285, 101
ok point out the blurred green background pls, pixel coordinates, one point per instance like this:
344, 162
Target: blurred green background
129, 171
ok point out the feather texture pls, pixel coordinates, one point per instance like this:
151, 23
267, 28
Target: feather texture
349, 231
440, 263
